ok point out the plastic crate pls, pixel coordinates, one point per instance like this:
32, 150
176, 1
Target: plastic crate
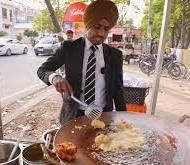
136, 108
134, 95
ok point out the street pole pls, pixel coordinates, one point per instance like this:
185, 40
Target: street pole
162, 42
1, 123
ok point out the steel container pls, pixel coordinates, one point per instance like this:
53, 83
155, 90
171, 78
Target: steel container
33, 155
52, 132
6, 148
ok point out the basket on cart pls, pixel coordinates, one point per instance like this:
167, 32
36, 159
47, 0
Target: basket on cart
135, 92
135, 95
135, 99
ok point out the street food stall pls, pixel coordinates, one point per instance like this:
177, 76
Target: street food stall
128, 40
166, 142
115, 138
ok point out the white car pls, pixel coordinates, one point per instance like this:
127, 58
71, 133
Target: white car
46, 46
9, 46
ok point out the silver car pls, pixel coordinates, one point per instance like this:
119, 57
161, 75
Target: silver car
9, 46
46, 46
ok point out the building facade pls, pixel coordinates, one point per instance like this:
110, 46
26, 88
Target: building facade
23, 16
15, 17
6, 16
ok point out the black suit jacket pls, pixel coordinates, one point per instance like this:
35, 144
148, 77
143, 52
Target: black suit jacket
71, 54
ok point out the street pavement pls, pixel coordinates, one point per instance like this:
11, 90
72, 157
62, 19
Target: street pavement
18, 76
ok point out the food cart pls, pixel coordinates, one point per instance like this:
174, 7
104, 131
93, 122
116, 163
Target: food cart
174, 138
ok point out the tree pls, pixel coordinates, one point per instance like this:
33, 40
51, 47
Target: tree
43, 22
54, 19
30, 33
19, 37
179, 21
157, 12
49, 19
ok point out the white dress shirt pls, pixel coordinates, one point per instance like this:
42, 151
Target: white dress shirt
100, 98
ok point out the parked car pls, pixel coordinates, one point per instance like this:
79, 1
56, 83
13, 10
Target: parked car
10, 46
46, 46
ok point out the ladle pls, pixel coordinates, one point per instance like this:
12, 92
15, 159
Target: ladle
17, 142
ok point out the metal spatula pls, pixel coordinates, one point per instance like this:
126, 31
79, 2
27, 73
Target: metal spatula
91, 111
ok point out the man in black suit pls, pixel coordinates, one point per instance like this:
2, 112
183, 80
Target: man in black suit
93, 69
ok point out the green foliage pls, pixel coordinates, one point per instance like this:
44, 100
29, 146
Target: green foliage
19, 37
157, 13
122, 2
144, 22
43, 22
2, 33
175, 23
123, 9
30, 33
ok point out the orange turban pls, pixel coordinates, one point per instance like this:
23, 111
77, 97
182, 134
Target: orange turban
100, 9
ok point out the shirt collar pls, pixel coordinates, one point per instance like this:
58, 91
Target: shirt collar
88, 44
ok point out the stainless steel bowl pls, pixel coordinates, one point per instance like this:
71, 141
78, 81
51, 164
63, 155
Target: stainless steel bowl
6, 148
52, 132
33, 155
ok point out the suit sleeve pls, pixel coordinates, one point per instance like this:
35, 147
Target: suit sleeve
118, 92
52, 64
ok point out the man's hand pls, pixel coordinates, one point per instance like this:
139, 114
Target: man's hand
62, 85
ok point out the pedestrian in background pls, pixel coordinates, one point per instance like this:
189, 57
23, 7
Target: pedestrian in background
69, 34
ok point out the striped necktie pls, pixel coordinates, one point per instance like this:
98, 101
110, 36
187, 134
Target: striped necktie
89, 88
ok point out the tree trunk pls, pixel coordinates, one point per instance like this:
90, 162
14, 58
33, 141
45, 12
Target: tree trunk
55, 22
187, 40
182, 24
187, 43
186, 24
172, 37
177, 33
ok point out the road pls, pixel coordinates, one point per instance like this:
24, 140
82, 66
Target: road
18, 73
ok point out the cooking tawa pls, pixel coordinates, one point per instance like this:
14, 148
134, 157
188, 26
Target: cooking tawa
79, 132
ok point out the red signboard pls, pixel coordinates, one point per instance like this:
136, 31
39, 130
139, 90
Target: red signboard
75, 12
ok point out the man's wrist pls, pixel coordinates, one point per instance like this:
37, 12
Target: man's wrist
54, 78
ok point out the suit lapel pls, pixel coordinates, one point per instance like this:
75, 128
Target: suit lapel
107, 59
80, 45
106, 55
